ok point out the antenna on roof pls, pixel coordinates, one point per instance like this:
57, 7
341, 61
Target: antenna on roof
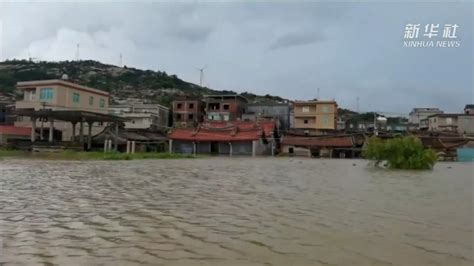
317, 95
120, 62
77, 52
201, 74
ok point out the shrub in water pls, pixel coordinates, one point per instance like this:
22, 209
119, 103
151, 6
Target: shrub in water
400, 153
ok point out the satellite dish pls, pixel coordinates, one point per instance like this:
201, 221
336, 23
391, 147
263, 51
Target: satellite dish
65, 77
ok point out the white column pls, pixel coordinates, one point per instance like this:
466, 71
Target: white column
170, 146
116, 137
254, 147
133, 147
51, 130
106, 143
33, 129
128, 146
230, 149
81, 132
89, 135
73, 131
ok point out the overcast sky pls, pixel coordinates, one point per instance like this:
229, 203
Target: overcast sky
348, 50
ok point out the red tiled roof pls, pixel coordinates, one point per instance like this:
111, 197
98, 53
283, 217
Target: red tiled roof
329, 141
13, 130
225, 131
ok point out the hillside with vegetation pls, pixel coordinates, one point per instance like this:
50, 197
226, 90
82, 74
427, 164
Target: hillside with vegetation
121, 82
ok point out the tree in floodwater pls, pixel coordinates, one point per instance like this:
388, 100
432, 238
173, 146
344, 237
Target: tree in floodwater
399, 153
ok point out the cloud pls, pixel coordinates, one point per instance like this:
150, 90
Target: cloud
296, 39
283, 48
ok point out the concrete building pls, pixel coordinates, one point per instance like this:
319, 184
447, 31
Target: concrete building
466, 124
11, 132
321, 146
59, 95
224, 107
279, 112
225, 138
469, 109
443, 122
315, 115
142, 116
418, 114
187, 112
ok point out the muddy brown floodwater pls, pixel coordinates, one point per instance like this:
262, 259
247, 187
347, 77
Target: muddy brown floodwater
233, 211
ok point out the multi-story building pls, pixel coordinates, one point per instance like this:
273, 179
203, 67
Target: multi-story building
315, 115
466, 124
142, 116
187, 112
418, 114
443, 122
279, 112
224, 107
469, 109
60, 95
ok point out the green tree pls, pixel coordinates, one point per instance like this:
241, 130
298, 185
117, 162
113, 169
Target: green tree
399, 153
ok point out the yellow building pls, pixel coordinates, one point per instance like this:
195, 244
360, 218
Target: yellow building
315, 115
60, 95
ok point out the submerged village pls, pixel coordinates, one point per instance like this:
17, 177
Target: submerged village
59, 114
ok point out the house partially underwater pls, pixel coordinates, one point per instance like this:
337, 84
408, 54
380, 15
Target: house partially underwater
225, 138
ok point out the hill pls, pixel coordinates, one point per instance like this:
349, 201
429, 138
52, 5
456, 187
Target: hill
120, 82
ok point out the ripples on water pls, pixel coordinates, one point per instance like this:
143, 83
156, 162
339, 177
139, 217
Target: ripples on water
223, 211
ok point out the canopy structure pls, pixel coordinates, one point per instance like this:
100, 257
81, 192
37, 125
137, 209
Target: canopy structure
72, 116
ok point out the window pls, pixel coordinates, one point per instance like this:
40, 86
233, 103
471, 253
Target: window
91, 100
190, 116
191, 105
325, 120
226, 107
76, 97
305, 109
46, 94
306, 121
179, 105
178, 117
449, 120
226, 117
325, 109
101, 103
291, 150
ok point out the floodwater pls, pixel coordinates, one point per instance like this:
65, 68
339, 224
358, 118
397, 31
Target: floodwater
234, 211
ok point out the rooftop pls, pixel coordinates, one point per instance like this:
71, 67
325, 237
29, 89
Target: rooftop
224, 131
70, 115
315, 102
52, 82
13, 130
319, 141
225, 96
